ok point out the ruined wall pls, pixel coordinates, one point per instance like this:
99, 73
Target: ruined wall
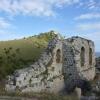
78, 61
64, 64
44, 75
84, 56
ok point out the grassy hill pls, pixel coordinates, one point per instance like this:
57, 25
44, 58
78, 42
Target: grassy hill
16, 54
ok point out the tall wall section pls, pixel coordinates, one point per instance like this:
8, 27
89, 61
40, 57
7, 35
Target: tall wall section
84, 57
78, 61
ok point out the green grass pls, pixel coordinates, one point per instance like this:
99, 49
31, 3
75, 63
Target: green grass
41, 96
16, 54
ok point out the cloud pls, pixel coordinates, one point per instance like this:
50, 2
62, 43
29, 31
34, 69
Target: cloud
88, 16
94, 36
92, 5
90, 31
89, 26
42, 7
33, 7
4, 24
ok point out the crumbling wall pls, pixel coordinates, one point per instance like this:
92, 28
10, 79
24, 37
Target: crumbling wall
66, 64
78, 67
43, 75
87, 69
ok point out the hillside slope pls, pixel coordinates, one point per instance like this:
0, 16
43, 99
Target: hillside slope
16, 54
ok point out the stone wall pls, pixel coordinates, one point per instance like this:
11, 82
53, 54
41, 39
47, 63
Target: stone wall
87, 71
44, 75
77, 69
59, 67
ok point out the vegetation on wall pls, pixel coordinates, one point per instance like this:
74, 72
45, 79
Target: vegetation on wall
16, 54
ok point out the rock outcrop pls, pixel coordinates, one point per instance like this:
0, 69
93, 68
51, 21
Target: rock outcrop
65, 64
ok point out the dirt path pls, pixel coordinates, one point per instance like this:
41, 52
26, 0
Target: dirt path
16, 98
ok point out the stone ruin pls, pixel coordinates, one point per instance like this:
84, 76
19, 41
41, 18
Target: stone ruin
64, 64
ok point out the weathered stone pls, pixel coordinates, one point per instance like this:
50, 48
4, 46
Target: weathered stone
63, 65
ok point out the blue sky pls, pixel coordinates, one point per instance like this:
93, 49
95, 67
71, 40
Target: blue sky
22, 18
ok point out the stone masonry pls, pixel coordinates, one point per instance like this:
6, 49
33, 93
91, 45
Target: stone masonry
64, 64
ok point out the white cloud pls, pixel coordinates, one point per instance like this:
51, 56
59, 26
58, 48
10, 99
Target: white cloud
90, 31
88, 16
93, 4
89, 26
4, 24
94, 36
42, 7
90, 4
33, 7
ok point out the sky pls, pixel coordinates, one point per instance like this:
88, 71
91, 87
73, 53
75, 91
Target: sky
23, 18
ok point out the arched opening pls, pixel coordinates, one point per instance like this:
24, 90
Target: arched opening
58, 56
82, 56
90, 56
14, 81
